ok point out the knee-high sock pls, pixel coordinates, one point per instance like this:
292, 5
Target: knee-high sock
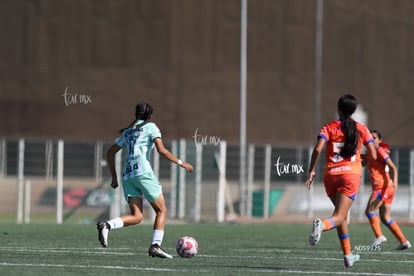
345, 243
375, 224
395, 229
328, 224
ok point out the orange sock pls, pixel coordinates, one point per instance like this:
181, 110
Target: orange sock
375, 224
328, 224
345, 243
395, 229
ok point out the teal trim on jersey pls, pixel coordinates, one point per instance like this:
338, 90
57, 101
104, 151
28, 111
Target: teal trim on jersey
137, 144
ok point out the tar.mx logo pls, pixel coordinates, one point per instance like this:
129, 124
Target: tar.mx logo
75, 98
287, 168
203, 140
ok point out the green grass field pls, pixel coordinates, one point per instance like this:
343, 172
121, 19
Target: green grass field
225, 249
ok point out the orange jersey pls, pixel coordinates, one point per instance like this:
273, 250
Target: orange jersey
378, 169
334, 138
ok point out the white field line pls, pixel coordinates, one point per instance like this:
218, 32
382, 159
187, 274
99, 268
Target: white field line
258, 270
112, 250
64, 250
322, 259
94, 266
98, 248
124, 252
317, 272
317, 251
341, 273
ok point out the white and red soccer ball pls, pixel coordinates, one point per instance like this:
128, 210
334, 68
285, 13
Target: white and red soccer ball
187, 247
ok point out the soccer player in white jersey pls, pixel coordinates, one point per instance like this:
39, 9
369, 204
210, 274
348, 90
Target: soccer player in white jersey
138, 179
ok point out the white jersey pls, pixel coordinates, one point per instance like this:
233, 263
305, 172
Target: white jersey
138, 143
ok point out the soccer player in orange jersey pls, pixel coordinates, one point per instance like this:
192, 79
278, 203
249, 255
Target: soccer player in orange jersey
343, 139
382, 195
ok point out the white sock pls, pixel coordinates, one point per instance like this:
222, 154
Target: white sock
157, 236
116, 223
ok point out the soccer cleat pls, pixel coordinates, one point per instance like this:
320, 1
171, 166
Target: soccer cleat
317, 229
405, 245
156, 251
103, 231
350, 259
378, 241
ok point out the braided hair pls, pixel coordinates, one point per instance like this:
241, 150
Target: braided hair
347, 105
143, 111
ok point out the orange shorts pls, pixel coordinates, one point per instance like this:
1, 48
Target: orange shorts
347, 184
385, 194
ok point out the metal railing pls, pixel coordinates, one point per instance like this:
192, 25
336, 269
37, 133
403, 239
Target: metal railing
57, 174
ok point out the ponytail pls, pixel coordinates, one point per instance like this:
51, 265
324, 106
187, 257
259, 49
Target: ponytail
351, 138
347, 105
143, 111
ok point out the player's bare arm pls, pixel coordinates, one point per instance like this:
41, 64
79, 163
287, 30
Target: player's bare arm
315, 156
162, 150
111, 164
394, 171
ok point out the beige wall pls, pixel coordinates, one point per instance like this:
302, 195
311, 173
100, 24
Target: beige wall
183, 56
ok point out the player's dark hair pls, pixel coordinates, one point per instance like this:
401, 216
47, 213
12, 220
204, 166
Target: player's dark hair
347, 104
377, 132
143, 111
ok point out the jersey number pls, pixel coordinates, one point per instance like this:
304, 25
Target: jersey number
337, 146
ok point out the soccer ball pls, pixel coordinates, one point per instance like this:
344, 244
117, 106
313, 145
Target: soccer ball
187, 247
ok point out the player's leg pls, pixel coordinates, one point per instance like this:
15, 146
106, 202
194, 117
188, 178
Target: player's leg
342, 204
319, 226
135, 217
340, 216
152, 191
373, 205
136, 213
160, 209
347, 186
385, 213
337, 187
133, 196
344, 239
